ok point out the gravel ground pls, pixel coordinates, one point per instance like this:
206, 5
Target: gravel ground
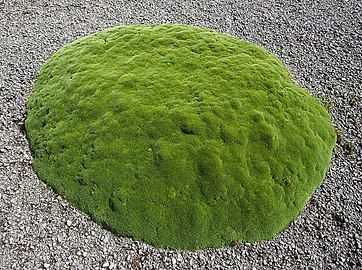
320, 42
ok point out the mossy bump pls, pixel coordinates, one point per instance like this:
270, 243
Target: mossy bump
178, 136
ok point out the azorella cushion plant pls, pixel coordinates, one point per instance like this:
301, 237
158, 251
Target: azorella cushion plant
178, 136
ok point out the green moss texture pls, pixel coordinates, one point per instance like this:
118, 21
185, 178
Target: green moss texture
178, 136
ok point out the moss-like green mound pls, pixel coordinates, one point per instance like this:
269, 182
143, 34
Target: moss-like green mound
178, 136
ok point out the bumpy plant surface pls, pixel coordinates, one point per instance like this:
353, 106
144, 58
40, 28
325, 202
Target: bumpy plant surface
178, 136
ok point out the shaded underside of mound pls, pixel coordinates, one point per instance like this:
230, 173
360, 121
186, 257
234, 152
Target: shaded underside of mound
177, 135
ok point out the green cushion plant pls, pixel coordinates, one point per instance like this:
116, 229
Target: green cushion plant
178, 136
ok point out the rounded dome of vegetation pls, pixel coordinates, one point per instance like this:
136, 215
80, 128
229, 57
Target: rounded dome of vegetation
178, 136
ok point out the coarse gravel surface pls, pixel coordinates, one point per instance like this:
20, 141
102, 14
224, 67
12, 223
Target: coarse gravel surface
320, 41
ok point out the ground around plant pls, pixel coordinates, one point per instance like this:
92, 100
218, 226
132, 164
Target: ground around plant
318, 42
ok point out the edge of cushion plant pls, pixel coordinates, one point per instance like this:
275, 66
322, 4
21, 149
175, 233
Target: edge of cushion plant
178, 136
